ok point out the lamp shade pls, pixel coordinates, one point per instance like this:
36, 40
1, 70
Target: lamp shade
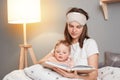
23, 11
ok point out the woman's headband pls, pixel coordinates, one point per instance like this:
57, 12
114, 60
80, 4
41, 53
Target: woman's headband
78, 17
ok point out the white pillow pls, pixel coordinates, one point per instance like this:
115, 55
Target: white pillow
38, 72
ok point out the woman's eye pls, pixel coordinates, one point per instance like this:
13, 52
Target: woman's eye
79, 26
71, 25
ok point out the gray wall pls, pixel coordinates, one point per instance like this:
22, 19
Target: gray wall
43, 35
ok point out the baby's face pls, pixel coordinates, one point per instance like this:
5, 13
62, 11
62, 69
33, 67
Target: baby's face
62, 52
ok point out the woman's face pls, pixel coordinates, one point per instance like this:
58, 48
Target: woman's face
75, 30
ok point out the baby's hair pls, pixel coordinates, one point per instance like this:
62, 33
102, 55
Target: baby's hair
62, 42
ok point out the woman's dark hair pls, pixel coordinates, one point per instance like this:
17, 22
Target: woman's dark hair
84, 34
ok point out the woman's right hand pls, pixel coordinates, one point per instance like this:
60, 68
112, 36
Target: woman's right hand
64, 73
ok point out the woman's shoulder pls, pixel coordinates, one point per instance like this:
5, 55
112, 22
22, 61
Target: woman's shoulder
90, 43
90, 40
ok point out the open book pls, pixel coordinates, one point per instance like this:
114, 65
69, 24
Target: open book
83, 69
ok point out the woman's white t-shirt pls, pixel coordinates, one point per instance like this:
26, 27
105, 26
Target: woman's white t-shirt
80, 55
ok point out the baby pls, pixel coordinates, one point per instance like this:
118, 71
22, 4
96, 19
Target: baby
61, 53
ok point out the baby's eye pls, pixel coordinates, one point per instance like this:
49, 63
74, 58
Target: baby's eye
64, 52
58, 51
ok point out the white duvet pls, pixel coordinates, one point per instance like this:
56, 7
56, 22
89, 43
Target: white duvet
37, 72
109, 73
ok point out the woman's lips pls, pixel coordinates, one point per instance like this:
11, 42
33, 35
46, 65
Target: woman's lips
73, 34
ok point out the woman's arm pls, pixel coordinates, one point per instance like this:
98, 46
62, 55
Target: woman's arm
92, 61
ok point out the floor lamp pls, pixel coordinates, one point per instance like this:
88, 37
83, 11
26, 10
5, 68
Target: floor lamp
24, 12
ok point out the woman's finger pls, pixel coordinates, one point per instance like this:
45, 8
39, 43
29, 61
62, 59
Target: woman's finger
60, 71
65, 74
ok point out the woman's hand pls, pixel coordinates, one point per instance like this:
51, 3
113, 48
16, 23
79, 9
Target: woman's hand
73, 74
64, 73
68, 74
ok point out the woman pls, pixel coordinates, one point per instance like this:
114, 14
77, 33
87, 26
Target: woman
84, 50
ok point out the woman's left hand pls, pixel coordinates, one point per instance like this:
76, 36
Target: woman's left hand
64, 73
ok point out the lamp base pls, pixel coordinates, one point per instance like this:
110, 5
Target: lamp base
23, 62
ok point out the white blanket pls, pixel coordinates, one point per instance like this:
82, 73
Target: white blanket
109, 73
16, 75
35, 72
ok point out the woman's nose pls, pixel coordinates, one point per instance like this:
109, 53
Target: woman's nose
74, 29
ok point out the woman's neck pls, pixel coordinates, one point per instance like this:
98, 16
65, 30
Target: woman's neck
74, 41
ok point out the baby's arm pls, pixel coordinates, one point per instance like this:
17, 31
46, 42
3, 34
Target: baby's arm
52, 59
45, 58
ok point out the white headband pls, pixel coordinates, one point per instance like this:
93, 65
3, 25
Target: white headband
78, 17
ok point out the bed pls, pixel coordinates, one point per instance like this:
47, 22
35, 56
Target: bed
109, 70
35, 72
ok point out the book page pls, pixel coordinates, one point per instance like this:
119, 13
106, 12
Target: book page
79, 68
57, 65
83, 69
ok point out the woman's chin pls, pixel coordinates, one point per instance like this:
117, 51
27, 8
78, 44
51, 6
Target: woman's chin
74, 36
